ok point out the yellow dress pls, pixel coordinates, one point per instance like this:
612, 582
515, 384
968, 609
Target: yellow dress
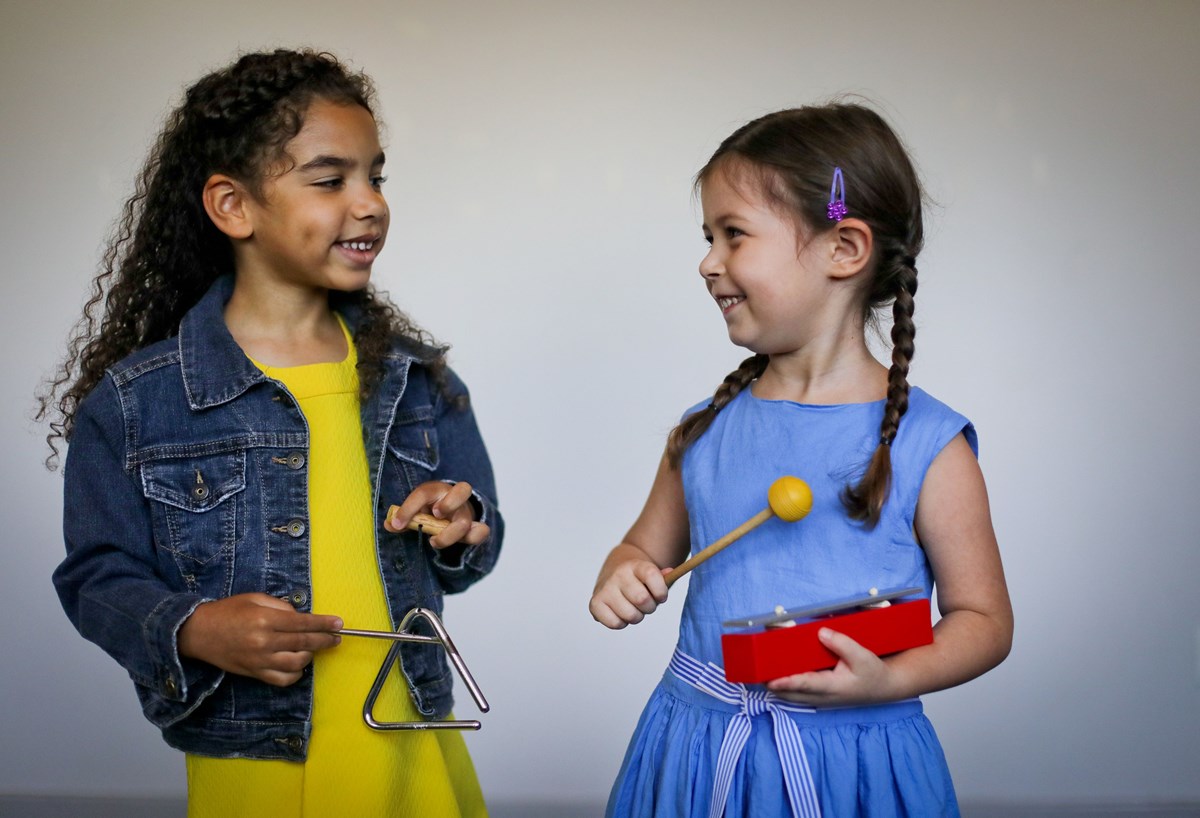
351, 770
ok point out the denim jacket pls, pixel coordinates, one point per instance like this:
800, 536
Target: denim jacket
186, 481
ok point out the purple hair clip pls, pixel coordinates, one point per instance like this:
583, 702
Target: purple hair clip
837, 197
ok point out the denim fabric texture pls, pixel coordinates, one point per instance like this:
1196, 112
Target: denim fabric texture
186, 481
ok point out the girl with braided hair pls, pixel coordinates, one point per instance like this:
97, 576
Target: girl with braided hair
241, 407
814, 220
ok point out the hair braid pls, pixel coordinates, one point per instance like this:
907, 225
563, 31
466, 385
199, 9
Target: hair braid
865, 501
696, 424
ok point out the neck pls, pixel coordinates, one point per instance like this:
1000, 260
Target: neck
284, 326
829, 370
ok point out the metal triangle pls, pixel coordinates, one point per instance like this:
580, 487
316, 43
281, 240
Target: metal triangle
402, 635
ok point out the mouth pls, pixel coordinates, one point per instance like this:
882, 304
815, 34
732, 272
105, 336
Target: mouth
360, 251
728, 302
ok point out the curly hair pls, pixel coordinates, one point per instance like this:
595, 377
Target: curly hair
165, 252
791, 155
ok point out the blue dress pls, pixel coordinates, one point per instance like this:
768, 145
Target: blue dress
706, 748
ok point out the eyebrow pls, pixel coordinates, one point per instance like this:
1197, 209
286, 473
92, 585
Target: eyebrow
723, 217
329, 161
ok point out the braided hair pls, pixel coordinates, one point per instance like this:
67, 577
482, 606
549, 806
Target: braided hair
792, 155
165, 252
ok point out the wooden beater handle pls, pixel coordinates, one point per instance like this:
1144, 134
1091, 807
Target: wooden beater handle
789, 498
423, 522
754, 522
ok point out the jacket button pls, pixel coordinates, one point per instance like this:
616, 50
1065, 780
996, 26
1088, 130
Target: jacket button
295, 528
295, 744
169, 686
299, 597
295, 460
200, 492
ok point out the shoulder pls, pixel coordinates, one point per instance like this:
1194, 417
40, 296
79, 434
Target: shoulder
695, 407
933, 424
434, 382
157, 356
152, 363
416, 350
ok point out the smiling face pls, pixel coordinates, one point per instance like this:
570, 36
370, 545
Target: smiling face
766, 279
321, 219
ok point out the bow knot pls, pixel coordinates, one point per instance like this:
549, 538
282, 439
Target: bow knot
755, 702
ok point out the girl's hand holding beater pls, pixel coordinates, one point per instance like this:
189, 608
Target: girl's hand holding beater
629, 588
632, 581
446, 501
257, 635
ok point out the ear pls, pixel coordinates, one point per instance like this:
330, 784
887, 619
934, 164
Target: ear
851, 244
226, 202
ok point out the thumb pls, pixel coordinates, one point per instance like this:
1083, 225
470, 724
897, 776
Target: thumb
843, 647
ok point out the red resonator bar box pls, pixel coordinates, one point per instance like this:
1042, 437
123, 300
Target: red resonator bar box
769, 653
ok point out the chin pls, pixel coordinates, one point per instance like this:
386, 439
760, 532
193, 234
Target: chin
350, 283
749, 344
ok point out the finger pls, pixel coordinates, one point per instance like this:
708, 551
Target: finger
285, 668
451, 534
478, 534
261, 647
655, 581
603, 614
618, 602
303, 622
420, 497
279, 679
639, 596
807, 684
389, 520
452, 501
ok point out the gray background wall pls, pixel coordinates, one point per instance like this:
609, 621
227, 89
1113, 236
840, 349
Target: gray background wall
540, 157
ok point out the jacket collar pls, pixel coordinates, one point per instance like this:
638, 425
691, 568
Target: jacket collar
215, 370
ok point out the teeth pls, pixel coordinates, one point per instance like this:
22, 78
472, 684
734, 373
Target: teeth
728, 301
358, 245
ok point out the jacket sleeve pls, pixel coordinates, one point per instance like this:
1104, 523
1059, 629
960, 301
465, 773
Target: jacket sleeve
109, 583
465, 458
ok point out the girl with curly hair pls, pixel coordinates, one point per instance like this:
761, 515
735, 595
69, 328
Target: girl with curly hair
241, 408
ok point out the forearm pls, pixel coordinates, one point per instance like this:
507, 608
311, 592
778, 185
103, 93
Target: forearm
966, 644
109, 581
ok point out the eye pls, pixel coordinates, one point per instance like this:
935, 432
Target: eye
330, 184
378, 181
733, 233
708, 238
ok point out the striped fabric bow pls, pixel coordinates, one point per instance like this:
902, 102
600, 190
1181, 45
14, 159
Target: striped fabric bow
708, 678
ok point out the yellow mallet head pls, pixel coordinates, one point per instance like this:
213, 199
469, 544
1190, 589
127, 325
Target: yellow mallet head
790, 498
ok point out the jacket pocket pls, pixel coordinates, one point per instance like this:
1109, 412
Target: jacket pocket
414, 440
196, 504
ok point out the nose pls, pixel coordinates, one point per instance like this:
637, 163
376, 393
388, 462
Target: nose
711, 265
370, 204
